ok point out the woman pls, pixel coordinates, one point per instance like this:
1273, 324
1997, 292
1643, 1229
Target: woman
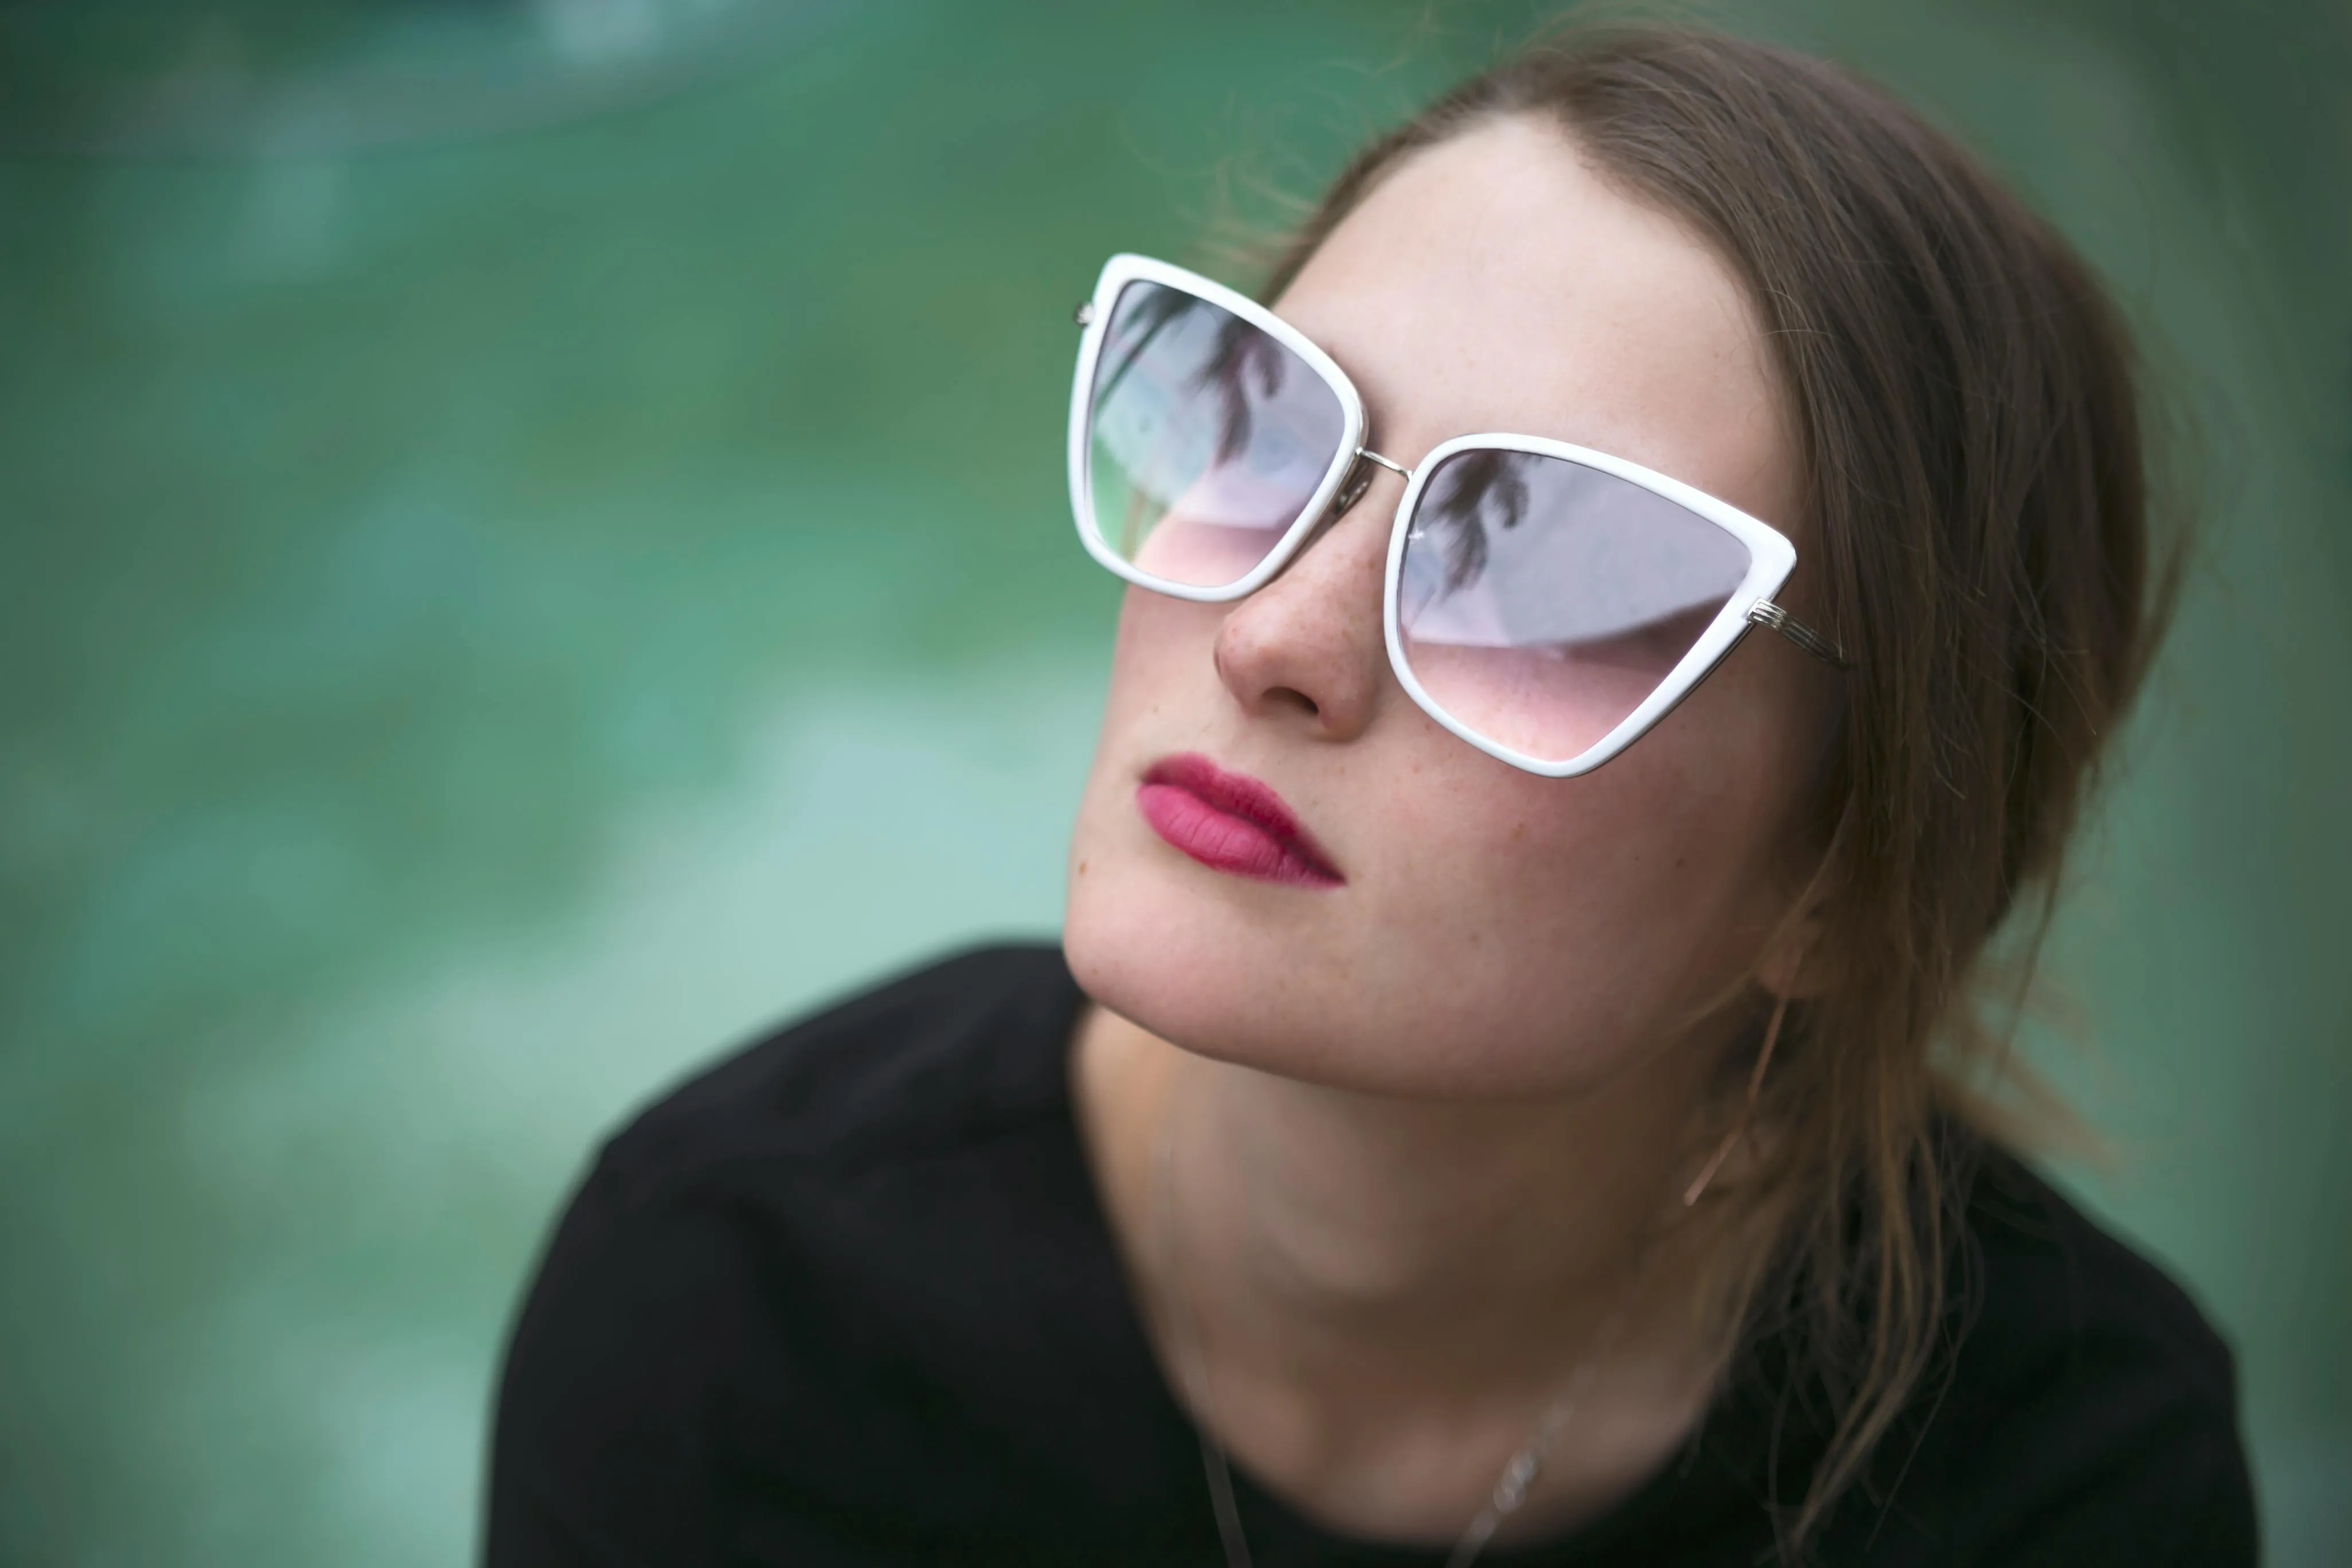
1508, 1090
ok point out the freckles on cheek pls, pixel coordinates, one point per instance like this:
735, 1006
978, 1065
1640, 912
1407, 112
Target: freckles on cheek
1482, 842
1611, 851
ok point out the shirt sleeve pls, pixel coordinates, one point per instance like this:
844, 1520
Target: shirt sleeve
2138, 1486
2101, 1427
609, 1442
2090, 1417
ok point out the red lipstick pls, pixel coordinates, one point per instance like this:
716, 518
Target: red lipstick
1231, 821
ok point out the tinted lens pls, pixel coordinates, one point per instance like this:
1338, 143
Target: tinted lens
1541, 600
1208, 437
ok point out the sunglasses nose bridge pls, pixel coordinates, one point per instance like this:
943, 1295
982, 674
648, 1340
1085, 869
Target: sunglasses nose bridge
1360, 480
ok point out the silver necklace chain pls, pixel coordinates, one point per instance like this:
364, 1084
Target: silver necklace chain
1519, 1472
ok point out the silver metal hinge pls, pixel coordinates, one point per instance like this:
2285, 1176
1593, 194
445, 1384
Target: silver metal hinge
1765, 612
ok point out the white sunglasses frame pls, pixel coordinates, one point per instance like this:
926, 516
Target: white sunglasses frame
1770, 557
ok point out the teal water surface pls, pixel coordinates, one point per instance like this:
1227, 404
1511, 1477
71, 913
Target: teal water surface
535, 544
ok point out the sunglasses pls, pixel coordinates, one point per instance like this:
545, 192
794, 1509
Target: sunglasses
1546, 602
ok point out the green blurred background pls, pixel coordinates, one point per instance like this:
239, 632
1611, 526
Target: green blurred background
535, 544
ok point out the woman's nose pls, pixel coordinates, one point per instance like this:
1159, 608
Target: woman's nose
1306, 649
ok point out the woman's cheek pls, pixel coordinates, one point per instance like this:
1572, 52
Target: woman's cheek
1162, 650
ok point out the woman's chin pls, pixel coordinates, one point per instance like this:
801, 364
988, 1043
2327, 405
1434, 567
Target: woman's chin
1192, 973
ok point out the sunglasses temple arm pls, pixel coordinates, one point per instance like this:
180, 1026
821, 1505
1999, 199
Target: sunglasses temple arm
1767, 614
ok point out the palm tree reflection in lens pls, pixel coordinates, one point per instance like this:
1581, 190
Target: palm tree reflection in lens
1209, 439
1543, 600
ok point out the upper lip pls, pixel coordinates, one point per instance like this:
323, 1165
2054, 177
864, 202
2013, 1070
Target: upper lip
1238, 795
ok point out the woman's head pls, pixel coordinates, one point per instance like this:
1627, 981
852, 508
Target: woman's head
1497, 931
1755, 275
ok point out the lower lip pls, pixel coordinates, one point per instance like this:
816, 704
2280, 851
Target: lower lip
1223, 842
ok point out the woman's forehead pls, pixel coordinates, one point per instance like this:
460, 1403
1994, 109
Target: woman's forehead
1497, 282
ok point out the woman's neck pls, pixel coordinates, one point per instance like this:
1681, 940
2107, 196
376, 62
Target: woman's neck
1351, 1257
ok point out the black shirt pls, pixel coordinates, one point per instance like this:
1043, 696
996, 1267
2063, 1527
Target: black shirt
850, 1299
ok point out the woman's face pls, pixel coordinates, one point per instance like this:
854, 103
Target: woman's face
1494, 933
